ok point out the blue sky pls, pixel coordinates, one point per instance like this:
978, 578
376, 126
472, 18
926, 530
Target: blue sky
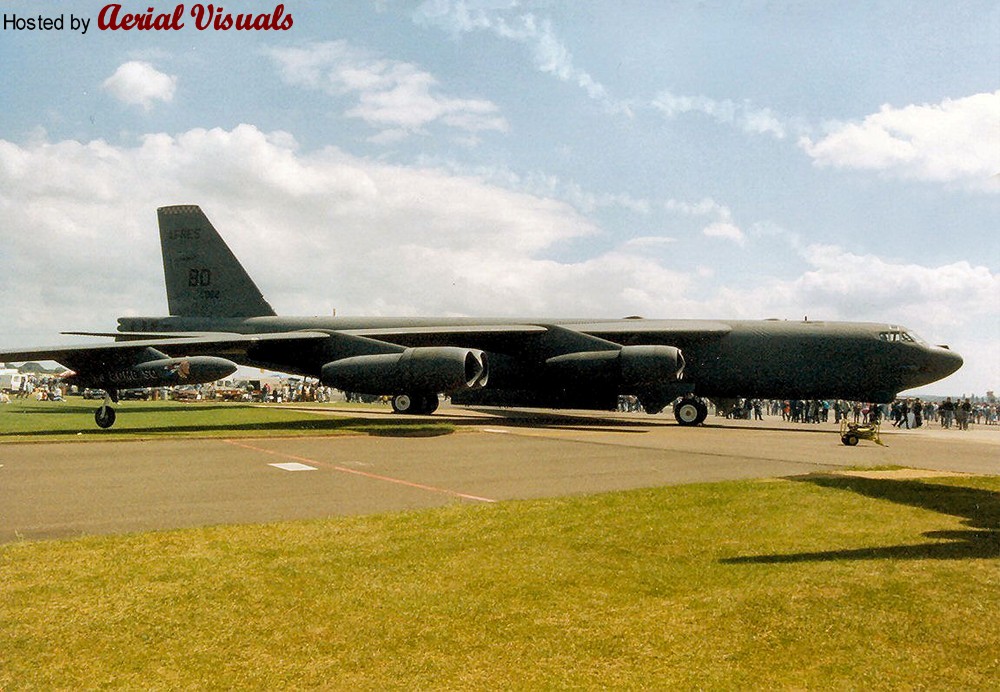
669, 159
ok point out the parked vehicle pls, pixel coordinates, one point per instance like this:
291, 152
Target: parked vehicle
10, 381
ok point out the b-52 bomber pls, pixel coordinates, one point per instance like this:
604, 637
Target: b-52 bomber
219, 318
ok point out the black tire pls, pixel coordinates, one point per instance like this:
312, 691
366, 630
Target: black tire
105, 417
404, 403
702, 411
430, 404
688, 412
416, 404
850, 439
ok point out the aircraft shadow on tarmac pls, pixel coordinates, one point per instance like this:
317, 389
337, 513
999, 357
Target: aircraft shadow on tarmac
509, 417
513, 418
561, 421
979, 508
569, 421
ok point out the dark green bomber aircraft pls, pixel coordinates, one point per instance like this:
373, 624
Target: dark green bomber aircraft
219, 318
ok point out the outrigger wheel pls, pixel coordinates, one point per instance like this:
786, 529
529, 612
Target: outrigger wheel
690, 411
105, 415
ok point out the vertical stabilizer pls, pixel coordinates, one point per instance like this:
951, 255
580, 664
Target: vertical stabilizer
204, 278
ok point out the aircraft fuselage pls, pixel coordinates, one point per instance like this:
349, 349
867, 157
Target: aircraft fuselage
722, 358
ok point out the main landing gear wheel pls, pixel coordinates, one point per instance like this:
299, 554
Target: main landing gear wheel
430, 404
402, 403
105, 416
690, 412
423, 404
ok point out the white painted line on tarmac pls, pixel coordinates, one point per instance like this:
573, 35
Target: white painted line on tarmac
293, 466
498, 431
356, 472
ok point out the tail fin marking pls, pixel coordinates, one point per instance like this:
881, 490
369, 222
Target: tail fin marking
203, 276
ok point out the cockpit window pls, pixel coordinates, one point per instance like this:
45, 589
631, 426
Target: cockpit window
900, 335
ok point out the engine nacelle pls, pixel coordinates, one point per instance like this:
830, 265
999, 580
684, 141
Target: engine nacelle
162, 372
430, 369
631, 369
647, 366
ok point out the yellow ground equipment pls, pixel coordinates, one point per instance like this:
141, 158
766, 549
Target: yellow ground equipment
851, 433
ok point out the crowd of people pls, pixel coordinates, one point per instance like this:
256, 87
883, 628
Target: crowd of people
278, 391
902, 413
912, 413
38, 387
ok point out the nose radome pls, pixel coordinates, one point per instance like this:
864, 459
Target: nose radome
944, 362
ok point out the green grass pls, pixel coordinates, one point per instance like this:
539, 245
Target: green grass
813, 582
73, 419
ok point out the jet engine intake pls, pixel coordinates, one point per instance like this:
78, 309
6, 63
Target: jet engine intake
438, 369
631, 368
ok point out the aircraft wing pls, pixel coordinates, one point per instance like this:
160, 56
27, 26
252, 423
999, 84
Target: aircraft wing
181, 345
622, 330
461, 330
549, 337
540, 348
534, 342
508, 338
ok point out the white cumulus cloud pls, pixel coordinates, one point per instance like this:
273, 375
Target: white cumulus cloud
955, 141
138, 83
949, 294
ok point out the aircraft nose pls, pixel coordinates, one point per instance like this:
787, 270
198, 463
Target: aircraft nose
942, 362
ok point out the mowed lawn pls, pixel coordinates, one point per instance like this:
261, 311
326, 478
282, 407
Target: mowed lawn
813, 582
73, 419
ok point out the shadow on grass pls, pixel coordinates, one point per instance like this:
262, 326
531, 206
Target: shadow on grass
74, 409
979, 509
318, 426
